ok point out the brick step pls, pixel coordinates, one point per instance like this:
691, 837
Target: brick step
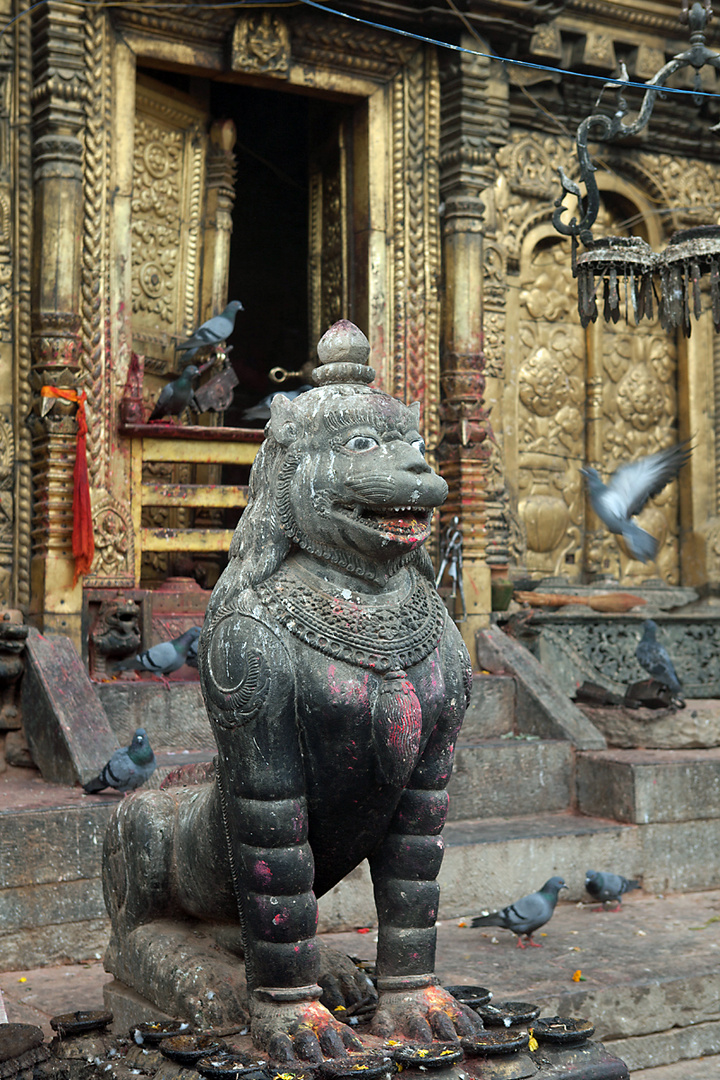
488, 775
643, 786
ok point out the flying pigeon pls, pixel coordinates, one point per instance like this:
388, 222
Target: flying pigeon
628, 490
127, 769
176, 396
655, 658
606, 887
526, 915
212, 332
164, 658
261, 411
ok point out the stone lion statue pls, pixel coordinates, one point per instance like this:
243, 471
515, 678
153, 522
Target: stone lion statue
336, 684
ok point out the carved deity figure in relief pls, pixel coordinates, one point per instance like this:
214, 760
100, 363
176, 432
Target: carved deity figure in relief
336, 684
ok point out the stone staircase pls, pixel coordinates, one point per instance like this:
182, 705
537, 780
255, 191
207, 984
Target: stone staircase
535, 792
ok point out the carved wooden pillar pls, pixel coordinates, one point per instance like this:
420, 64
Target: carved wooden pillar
59, 89
219, 202
463, 453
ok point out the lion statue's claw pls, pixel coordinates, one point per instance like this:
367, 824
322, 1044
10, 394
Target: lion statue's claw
424, 1015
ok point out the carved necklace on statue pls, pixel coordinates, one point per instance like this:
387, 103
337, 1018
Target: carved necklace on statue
386, 635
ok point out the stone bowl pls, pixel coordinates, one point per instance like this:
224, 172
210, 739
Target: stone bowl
562, 1030
472, 996
495, 1041
76, 1023
153, 1032
432, 1056
507, 1013
187, 1049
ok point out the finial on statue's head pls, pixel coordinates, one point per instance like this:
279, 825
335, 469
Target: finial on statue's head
343, 351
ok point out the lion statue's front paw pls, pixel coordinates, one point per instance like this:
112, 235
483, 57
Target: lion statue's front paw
425, 1015
300, 1031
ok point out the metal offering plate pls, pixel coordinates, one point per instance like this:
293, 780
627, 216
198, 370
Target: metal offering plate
562, 1030
366, 1066
187, 1049
495, 1041
154, 1031
229, 1065
76, 1023
507, 1013
432, 1056
472, 996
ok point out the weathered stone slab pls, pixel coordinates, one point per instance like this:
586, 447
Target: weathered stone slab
64, 722
174, 716
129, 1008
645, 786
665, 1047
54, 944
487, 778
31, 906
695, 726
491, 711
541, 707
48, 846
681, 855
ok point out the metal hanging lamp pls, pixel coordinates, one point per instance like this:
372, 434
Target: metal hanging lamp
620, 274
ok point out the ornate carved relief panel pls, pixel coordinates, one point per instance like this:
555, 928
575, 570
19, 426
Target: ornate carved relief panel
329, 255
168, 184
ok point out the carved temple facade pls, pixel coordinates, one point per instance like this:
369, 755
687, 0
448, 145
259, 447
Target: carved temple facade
154, 161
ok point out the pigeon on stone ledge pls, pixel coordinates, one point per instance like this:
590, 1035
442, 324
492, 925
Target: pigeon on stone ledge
655, 658
627, 491
164, 658
212, 332
127, 769
606, 887
176, 396
526, 915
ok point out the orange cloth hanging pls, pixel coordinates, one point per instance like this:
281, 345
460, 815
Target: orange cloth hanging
83, 540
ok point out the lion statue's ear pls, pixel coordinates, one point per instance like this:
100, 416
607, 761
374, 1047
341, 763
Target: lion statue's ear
415, 410
283, 420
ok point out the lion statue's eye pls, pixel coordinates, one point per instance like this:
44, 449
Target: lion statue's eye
361, 442
419, 445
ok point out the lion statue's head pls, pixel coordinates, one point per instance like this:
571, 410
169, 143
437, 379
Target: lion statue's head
341, 474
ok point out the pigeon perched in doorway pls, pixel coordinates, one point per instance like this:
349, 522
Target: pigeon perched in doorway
526, 915
655, 658
127, 769
176, 396
605, 887
212, 332
627, 491
164, 658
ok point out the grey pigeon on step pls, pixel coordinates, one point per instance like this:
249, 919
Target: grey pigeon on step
164, 658
526, 915
176, 396
655, 658
606, 887
127, 769
627, 491
212, 332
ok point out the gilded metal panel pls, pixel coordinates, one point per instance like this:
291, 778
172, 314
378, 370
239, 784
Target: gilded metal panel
168, 180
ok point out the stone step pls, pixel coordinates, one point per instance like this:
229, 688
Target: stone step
488, 775
643, 786
173, 715
489, 862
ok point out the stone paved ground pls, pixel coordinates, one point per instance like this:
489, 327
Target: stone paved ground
653, 940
